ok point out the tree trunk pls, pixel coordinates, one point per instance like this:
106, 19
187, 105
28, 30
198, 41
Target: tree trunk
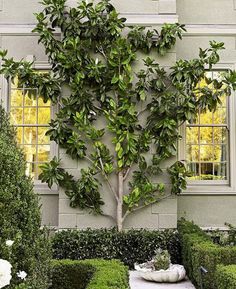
119, 212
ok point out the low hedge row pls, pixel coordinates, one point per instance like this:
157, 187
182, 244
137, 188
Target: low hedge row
89, 274
226, 277
198, 250
128, 246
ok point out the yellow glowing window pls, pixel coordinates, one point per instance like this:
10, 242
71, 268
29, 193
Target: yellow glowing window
207, 140
31, 117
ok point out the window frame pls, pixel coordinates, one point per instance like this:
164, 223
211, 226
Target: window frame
41, 188
215, 187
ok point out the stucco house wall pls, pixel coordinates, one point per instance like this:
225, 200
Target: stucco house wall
206, 20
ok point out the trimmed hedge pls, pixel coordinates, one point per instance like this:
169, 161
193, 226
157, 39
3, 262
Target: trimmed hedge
226, 277
89, 274
129, 246
198, 250
70, 274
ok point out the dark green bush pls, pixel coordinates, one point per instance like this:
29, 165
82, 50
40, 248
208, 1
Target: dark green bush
226, 277
128, 246
90, 274
198, 250
71, 274
20, 213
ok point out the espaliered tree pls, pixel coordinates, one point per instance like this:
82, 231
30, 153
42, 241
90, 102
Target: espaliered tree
123, 114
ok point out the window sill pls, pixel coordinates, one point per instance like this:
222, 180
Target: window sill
209, 190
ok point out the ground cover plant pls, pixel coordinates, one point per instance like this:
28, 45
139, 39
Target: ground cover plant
132, 246
22, 242
121, 120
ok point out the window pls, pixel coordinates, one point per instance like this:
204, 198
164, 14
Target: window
207, 143
30, 115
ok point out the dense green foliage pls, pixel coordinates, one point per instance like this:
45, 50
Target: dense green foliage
20, 213
90, 274
224, 238
198, 250
123, 114
129, 246
70, 274
226, 277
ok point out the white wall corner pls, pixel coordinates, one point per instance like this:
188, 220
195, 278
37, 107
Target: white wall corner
167, 7
1, 5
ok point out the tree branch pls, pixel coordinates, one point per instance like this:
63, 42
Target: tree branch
127, 173
127, 213
106, 178
102, 52
141, 111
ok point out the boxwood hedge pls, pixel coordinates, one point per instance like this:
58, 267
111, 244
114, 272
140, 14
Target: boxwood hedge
226, 277
89, 274
129, 246
199, 250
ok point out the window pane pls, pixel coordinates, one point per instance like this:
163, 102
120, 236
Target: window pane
220, 153
42, 103
206, 171
206, 118
206, 135
193, 153
16, 98
220, 135
44, 115
30, 115
16, 115
220, 171
42, 138
223, 99
192, 135
30, 153
43, 153
30, 135
194, 170
19, 135
31, 170
30, 97
206, 153
220, 116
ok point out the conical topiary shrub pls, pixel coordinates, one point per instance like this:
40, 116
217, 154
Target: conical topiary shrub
20, 214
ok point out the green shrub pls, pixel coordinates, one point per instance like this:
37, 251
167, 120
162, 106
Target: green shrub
20, 213
129, 246
71, 274
90, 274
226, 277
198, 250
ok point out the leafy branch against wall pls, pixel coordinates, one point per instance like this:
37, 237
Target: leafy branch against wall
120, 119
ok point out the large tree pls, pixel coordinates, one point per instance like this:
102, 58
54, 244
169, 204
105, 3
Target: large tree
123, 114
